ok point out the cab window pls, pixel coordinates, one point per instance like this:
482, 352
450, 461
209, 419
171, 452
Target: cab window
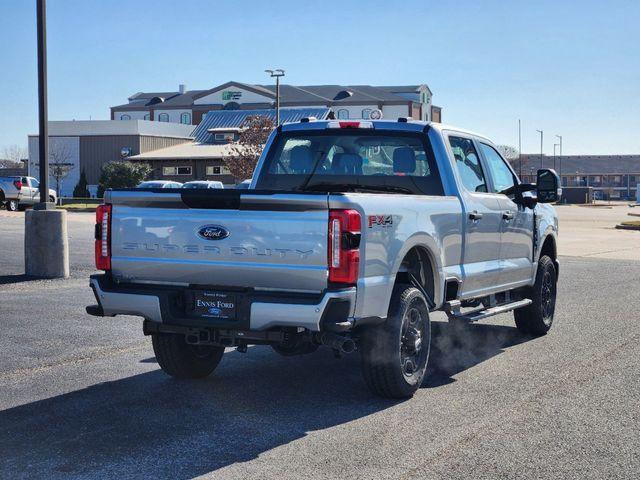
501, 174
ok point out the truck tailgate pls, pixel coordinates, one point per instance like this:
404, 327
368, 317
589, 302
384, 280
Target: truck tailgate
216, 238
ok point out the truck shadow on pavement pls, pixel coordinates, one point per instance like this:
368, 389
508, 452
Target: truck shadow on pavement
152, 426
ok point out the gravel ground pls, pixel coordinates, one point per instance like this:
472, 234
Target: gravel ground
82, 397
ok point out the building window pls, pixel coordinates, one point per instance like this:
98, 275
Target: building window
172, 171
163, 117
185, 118
125, 117
223, 137
147, 116
343, 114
366, 113
218, 170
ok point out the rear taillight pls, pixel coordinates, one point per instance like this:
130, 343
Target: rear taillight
17, 184
103, 237
344, 246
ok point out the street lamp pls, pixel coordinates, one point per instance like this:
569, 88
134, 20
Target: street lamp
277, 73
560, 169
554, 154
541, 140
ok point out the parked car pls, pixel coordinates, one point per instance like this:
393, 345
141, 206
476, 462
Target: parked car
159, 184
243, 185
18, 193
355, 232
203, 184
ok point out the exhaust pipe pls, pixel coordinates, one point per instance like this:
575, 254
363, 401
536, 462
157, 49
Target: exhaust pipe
338, 342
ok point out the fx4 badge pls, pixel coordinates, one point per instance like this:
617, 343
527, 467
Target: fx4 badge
380, 221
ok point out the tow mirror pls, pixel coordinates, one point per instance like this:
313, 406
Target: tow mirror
548, 187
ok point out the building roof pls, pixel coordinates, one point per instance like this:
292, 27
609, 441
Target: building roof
187, 151
583, 164
149, 95
181, 100
236, 118
289, 94
118, 127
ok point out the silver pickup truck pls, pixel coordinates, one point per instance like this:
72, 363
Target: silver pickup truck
17, 193
349, 236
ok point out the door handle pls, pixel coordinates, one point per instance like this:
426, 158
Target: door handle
475, 216
508, 215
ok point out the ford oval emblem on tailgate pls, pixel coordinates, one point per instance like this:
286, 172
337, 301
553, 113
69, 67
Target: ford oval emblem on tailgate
213, 232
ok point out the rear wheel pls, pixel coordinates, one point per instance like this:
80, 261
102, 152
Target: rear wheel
537, 318
395, 353
181, 360
12, 205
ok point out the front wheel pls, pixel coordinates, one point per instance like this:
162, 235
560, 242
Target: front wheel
395, 354
181, 360
12, 205
537, 318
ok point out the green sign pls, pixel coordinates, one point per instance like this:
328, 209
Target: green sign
231, 95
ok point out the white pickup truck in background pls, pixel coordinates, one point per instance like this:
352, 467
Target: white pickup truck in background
18, 193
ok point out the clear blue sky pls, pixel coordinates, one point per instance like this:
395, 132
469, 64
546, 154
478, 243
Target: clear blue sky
568, 67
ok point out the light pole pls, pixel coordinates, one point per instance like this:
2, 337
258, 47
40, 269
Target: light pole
554, 154
520, 146
46, 243
277, 73
560, 169
541, 140
43, 139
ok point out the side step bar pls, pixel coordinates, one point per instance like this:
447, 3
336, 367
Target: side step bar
452, 309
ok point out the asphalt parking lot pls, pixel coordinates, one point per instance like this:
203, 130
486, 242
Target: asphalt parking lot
82, 397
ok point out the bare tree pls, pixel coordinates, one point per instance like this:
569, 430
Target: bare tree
508, 152
246, 152
12, 156
59, 164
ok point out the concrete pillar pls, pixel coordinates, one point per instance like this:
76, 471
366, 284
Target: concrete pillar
46, 244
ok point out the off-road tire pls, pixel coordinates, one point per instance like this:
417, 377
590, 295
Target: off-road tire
12, 205
181, 360
393, 364
537, 318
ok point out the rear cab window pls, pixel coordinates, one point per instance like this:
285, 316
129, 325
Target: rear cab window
346, 159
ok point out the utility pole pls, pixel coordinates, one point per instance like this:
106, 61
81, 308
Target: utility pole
541, 143
43, 114
277, 73
520, 146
